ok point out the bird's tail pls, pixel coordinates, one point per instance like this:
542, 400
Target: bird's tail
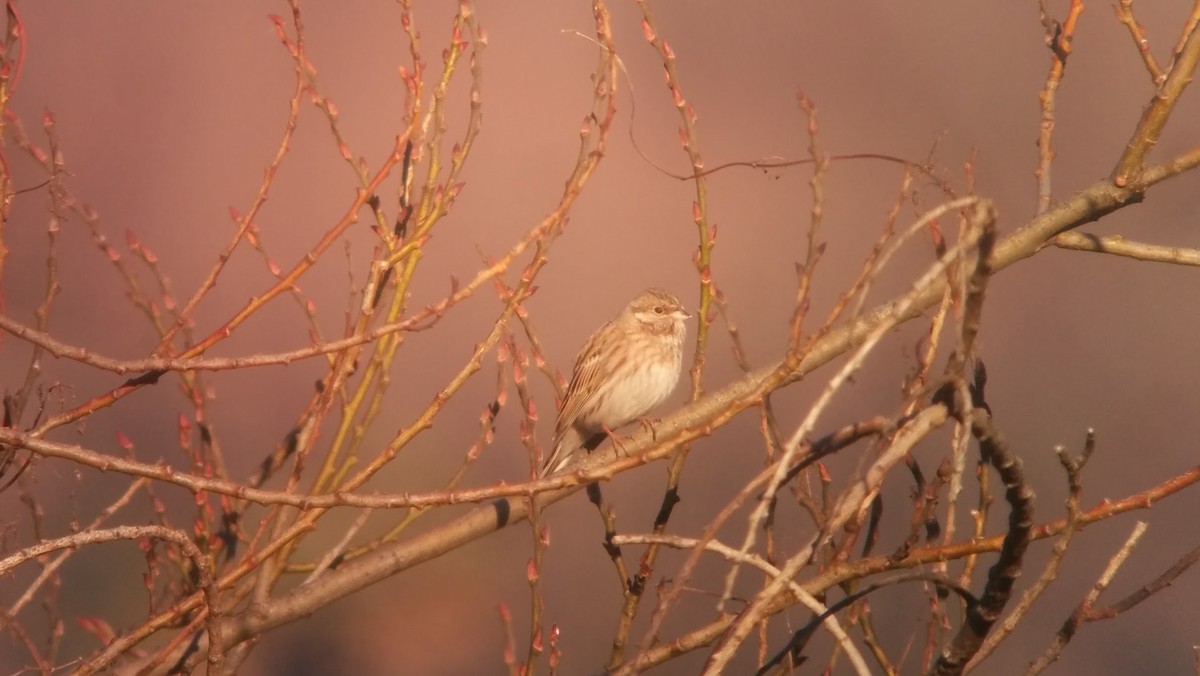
564, 447
564, 450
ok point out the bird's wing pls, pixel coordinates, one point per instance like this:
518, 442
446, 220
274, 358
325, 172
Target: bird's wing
584, 381
581, 390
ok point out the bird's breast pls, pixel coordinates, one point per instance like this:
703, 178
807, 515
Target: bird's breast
640, 391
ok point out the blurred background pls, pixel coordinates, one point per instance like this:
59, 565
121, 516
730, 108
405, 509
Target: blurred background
168, 113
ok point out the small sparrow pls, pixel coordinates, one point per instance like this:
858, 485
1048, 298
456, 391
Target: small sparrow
628, 366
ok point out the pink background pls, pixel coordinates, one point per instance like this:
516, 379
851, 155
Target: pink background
168, 114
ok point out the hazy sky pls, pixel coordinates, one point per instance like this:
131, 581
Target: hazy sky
168, 113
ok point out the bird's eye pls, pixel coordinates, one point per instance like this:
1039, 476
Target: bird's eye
658, 310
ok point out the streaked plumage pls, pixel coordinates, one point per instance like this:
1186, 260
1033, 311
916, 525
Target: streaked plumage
628, 366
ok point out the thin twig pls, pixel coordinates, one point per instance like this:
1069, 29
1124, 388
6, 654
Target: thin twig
1077, 618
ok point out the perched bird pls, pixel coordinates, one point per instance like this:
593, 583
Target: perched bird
628, 366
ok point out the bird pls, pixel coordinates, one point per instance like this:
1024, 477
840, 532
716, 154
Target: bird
627, 367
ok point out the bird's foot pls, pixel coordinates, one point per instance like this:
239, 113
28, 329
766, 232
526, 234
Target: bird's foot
617, 440
650, 425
